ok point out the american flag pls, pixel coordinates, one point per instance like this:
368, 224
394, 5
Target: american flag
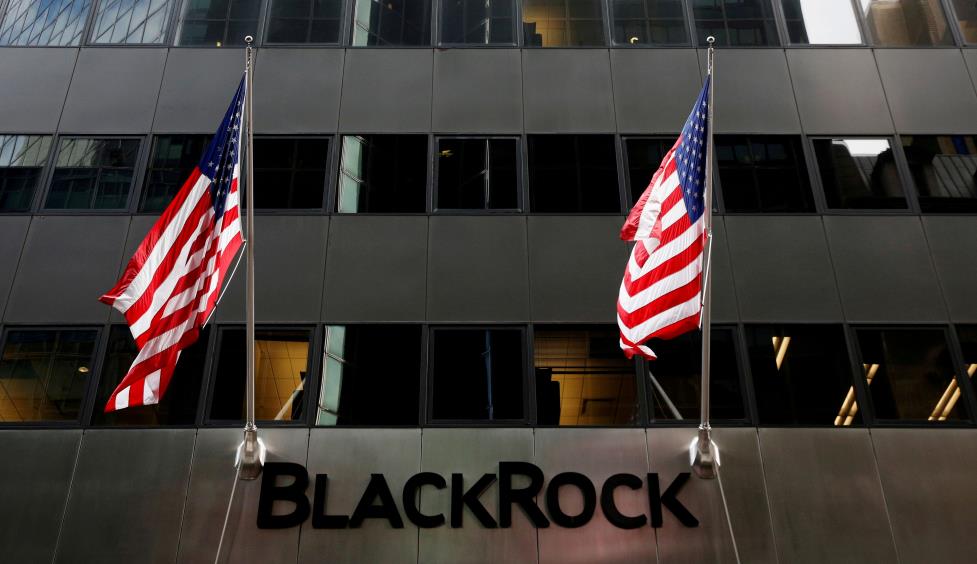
172, 283
660, 295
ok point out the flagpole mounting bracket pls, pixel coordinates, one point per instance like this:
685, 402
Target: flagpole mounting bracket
250, 454
704, 454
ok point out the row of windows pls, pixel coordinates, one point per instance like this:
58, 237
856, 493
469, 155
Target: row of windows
545, 23
564, 173
810, 375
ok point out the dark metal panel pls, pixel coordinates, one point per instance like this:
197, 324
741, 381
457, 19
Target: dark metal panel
575, 266
742, 474
386, 90
753, 92
825, 496
478, 269
211, 479
782, 269
474, 452
395, 453
567, 90
376, 269
477, 90
883, 269
113, 91
13, 231
297, 90
928, 90
954, 250
127, 496
290, 255
138, 229
68, 262
724, 305
33, 85
854, 104
644, 102
970, 56
609, 452
198, 85
34, 481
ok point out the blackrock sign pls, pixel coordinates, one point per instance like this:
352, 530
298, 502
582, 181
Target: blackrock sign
377, 501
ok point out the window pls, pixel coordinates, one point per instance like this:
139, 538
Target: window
763, 173
944, 169
735, 22
477, 374
645, 155
901, 23
131, 21
281, 371
44, 373
478, 22
290, 173
802, 375
821, 22
173, 159
22, 158
573, 174
562, 23
859, 174
361, 387
392, 22
383, 174
966, 11
44, 22
968, 345
649, 22
478, 174
218, 22
92, 173
304, 21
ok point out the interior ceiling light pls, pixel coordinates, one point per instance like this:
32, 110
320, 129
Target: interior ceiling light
83, 369
780, 345
849, 407
950, 397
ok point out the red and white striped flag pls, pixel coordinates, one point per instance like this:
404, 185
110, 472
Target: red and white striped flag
660, 295
172, 283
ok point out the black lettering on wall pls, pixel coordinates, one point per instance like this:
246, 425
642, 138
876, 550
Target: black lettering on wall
365, 509
586, 488
320, 520
523, 497
607, 505
294, 493
461, 498
670, 500
411, 490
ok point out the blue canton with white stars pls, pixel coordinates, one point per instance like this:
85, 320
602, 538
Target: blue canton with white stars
690, 155
224, 152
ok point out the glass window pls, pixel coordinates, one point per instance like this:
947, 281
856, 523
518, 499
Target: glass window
562, 23
478, 174
178, 406
763, 173
44, 373
802, 375
900, 23
735, 22
478, 22
649, 22
675, 378
361, 387
966, 11
582, 378
304, 21
131, 21
44, 22
173, 159
645, 155
392, 22
573, 174
218, 22
22, 159
290, 173
821, 22
383, 174
944, 169
859, 174
92, 173
910, 374
477, 374
281, 370
968, 345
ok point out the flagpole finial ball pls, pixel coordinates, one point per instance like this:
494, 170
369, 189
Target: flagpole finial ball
710, 40
249, 39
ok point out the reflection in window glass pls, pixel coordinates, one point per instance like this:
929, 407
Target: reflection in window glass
92, 173
735, 22
131, 21
173, 159
289, 173
821, 22
859, 174
44, 22
477, 22
944, 169
573, 174
361, 387
43, 374
562, 23
966, 11
304, 21
900, 23
218, 22
383, 174
649, 22
281, 367
22, 158
645, 155
910, 374
391, 22
477, 174
477, 374
763, 173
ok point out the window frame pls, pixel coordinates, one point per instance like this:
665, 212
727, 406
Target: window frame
336, 174
135, 185
688, 24
349, 21
956, 39
171, 20
438, 25
341, 37
331, 169
176, 27
781, 17
778, 26
436, 171
148, 166
805, 157
605, 28
82, 38
626, 159
40, 190
950, 8
912, 190
624, 206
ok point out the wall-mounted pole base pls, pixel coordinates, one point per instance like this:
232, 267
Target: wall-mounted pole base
704, 454
250, 454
